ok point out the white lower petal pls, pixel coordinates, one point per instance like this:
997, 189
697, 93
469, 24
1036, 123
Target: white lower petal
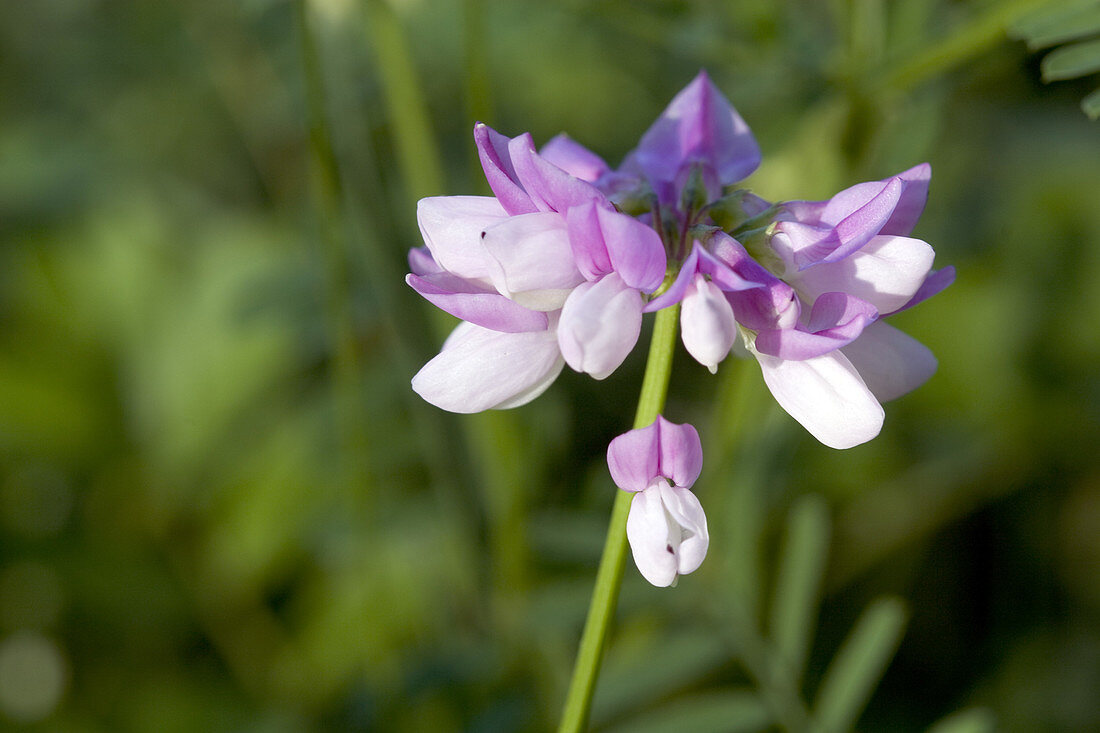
707, 324
667, 531
689, 526
599, 325
886, 273
891, 362
479, 369
452, 227
826, 395
647, 532
531, 260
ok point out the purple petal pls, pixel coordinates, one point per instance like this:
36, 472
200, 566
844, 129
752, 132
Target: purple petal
452, 227
421, 262
910, 203
492, 149
633, 458
698, 125
913, 197
479, 369
853, 231
886, 273
599, 326
573, 158
891, 362
531, 261
729, 266
476, 303
587, 240
550, 188
826, 395
681, 452
837, 319
678, 289
636, 251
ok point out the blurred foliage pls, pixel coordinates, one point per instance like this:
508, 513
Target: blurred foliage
222, 508
1077, 26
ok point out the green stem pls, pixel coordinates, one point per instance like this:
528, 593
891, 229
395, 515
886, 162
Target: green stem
609, 577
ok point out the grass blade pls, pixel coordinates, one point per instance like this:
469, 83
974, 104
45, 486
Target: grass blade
798, 586
859, 665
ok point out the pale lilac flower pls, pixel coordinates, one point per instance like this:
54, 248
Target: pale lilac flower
544, 272
551, 270
666, 527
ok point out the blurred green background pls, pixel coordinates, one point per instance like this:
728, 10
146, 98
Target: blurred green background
223, 509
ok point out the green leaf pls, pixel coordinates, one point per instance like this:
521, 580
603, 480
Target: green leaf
798, 586
859, 665
974, 720
731, 711
1070, 62
1055, 26
1091, 105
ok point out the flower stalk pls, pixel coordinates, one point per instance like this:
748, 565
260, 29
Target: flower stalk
605, 595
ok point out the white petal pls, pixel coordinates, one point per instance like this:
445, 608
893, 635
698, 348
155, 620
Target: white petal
452, 227
891, 362
647, 532
886, 273
599, 325
479, 369
689, 526
826, 395
707, 323
531, 260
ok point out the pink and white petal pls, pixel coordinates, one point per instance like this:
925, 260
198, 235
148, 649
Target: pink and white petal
550, 188
891, 362
729, 266
687, 513
492, 149
421, 262
476, 303
707, 325
635, 250
530, 260
479, 369
681, 452
647, 531
587, 240
886, 273
452, 227
599, 326
826, 395
573, 158
679, 287
853, 232
913, 197
633, 458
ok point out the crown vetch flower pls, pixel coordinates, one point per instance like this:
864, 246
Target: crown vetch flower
560, 264
666, 527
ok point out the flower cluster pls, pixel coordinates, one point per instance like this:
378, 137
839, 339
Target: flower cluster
559, 265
